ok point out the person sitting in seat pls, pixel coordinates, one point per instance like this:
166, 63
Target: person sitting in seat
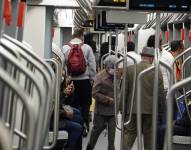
70, 118
182, 126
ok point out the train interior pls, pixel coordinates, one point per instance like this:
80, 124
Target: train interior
32, 36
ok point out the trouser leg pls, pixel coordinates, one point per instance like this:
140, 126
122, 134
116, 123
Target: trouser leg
147, 130
98, 127
111, 133
130, 134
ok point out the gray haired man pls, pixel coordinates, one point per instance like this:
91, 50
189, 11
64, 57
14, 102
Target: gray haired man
103, 92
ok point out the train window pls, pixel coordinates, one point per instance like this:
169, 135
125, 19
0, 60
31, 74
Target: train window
163, 5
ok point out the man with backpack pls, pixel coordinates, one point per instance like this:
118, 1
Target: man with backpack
81, 67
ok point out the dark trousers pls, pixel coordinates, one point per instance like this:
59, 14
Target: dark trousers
99, 123
83, 98
131, 132
74, 128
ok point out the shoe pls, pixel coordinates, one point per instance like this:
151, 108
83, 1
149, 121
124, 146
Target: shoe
85, 132
89, 147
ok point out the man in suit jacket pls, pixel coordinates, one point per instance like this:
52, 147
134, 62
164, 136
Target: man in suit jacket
147, 56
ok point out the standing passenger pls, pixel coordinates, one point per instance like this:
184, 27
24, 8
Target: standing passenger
82, 82
146, 100
132, 53
103, 92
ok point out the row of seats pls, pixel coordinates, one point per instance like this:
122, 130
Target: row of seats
29, 89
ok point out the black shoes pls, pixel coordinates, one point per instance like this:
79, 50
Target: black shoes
85, 130
89, 147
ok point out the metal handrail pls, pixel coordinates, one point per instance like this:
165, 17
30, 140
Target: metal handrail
170, 97
57, 101
24, 70
156, 81
1, 16
45, 103
133, 90
30, 52
183, 66
176, 58
116, 40
107, 54
115, 92
5, 143
139, 120
31, 114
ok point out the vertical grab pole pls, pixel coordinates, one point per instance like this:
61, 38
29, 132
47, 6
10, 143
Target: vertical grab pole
116, 42
155, 92
124, 88
110, 41
133, 91
116, 92
1, 16
139, 117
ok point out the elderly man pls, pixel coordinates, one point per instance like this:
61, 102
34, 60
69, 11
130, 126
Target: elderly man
103, 92
147, 56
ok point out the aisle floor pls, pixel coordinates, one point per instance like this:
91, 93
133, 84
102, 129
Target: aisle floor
102, 141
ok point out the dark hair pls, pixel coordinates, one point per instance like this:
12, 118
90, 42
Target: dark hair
151, 41
77, 33
88, 39
175, 45
130, 46
104, 49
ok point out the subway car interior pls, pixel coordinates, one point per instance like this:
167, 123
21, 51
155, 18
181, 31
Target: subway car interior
95, 75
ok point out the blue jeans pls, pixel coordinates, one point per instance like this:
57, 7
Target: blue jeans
74, 128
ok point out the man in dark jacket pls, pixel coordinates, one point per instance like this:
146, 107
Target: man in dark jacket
147, 56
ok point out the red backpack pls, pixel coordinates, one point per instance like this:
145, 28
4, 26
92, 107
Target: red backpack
76, 62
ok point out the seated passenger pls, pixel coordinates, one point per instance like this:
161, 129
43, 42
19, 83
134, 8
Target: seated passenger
70, 120
182, 126
103, 92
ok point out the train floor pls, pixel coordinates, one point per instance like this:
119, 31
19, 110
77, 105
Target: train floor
102, 140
